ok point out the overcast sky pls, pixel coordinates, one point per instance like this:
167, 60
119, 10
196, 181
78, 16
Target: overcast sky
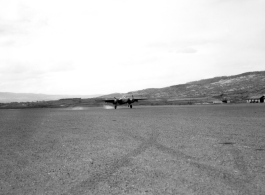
105, 46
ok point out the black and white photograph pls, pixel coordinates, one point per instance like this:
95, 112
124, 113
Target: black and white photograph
132, 97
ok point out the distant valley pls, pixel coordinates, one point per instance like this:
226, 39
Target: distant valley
6, 97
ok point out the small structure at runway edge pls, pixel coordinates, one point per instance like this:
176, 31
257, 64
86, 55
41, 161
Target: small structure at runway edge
256, 99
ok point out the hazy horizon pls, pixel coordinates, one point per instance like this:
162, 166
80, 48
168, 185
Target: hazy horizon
97, 95
102, 47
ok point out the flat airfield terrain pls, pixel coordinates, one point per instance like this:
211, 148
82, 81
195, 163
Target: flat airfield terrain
198, 149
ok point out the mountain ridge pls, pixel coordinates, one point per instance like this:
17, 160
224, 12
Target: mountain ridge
235, 87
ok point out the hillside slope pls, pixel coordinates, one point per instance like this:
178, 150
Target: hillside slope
237, 87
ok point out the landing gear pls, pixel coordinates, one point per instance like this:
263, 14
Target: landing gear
130, 106
115, 106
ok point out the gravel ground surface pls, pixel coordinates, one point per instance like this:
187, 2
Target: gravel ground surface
203, 149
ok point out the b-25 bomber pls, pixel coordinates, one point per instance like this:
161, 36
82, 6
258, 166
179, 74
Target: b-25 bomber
124, 100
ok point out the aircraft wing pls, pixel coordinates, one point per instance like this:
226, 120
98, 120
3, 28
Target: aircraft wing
110, 101
136, 99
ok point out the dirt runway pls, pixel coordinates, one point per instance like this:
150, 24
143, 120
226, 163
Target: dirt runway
198, 149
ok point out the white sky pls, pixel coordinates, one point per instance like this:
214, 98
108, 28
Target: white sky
106, 46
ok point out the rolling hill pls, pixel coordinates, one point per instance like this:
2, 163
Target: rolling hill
236, 88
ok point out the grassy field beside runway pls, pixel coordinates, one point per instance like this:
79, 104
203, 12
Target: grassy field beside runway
197, 149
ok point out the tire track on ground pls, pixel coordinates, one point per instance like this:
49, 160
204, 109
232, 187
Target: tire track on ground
241, 181
113, 166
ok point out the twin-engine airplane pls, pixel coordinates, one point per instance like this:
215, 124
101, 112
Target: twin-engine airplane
123, 100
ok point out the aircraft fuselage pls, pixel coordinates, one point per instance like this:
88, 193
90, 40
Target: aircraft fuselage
125, 101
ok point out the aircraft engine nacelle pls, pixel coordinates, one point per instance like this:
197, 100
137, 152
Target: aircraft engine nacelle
115, 101
131, 100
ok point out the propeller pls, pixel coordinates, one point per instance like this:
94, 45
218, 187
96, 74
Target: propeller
131, 99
